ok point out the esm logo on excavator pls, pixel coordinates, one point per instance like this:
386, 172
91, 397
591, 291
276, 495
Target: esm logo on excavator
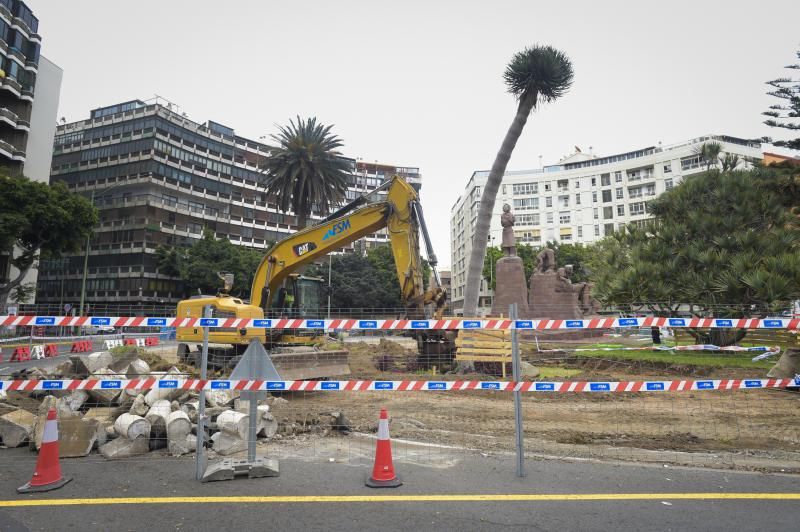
337, 228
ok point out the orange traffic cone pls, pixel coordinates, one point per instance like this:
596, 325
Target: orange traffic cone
47, 475
383, 471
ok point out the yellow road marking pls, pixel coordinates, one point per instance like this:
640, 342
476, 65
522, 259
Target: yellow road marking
405, 498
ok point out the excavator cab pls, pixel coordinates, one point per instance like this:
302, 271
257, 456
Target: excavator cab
299, 297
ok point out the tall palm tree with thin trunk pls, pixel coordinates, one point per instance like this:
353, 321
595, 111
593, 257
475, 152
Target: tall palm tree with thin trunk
304, 171
709, 153
539, 74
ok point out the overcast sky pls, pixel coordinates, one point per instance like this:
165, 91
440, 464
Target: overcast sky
419, 83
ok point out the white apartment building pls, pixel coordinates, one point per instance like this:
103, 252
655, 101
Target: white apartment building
581, 199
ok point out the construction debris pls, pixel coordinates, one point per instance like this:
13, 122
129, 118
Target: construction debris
16, 427
178, 430
132, 427
125, 448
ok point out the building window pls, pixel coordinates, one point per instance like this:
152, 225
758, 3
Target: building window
526, 204
635, 192
606, 196
637, 208
618, 177
548, 201
580, 232
668, 167
619, 193
620, 210
563, 218
577, 199
523, 189
688, 163
549, 218
547, 187
578, 183
650, 189
594, 181
563, 201
594, 197
608, 213
566, 236
596, 213
609, 229
605, 180
668, 184
563, 185
596, 230
527, 219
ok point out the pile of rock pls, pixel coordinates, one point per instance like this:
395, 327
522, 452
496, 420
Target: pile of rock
123, 423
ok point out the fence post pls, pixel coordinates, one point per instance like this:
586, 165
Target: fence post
515, 368
200, 454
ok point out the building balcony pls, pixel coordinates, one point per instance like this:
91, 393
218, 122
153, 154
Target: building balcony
3, 47
7, 149
27, 93
31, 65
12, 86
6, 14
18, 155
36, 38
17, 54
20, 24
8, 116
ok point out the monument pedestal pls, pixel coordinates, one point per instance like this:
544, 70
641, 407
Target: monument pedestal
546, 301
510, 287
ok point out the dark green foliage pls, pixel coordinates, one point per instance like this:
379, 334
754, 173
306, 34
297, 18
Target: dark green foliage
786, 113
726, 243
539, 71
364, 282
43, 220
304, 171
197, 265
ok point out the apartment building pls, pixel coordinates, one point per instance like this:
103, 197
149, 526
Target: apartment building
582, 198
30, 86
161, 179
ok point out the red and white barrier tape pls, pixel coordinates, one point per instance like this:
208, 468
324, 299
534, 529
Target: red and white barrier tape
443, 324
400, 386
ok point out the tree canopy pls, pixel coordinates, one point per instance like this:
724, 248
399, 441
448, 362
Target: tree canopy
785, 114
725, 243
304, 170
43, 221
197, 265
360, 282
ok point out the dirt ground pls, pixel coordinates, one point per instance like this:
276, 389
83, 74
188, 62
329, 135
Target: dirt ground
743, 429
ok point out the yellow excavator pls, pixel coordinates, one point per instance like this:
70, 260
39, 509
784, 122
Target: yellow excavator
279, 290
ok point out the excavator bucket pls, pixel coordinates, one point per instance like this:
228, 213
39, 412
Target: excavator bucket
304, 363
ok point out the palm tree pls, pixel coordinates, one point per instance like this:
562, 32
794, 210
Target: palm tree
709, 153
304, 171
535, 75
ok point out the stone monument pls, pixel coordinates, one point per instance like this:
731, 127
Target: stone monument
510, 285
554, 295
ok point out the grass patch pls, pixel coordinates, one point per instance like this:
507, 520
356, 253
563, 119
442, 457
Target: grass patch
687, 358
551, 372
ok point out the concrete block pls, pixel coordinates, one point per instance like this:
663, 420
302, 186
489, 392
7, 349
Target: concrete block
16, 427
125, 448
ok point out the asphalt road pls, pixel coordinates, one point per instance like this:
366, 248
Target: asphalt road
642, 497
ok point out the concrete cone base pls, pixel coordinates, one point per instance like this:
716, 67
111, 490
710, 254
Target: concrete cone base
229, 468
27, 488
394, 483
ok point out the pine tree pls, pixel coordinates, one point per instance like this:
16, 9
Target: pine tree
786, 113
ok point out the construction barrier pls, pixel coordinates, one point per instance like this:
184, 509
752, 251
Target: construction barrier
401, 386
443, 324
81, 347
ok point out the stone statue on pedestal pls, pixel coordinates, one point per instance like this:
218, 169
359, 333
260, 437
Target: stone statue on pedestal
510, 285
509, 243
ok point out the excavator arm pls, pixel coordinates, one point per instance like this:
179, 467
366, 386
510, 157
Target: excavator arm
400, 214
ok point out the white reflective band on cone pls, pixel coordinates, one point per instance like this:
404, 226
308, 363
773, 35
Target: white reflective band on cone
50, 434
383, 429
